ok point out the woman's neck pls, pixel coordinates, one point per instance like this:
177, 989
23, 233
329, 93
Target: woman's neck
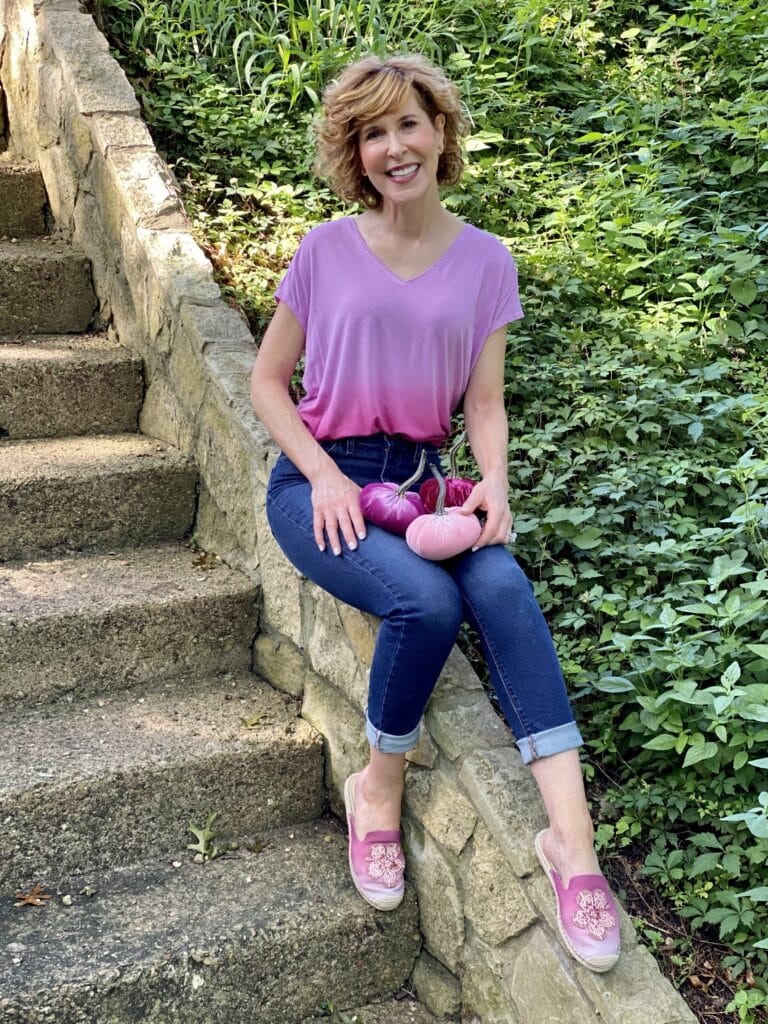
410, 222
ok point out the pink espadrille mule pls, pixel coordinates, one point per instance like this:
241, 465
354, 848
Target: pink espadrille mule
376, 861
586, 915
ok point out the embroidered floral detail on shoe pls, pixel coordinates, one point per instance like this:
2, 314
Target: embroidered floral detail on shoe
593, 913
386, 863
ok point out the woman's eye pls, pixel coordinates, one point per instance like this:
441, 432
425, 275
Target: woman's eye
371, 134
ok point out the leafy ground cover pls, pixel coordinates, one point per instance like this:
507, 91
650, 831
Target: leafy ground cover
622, 153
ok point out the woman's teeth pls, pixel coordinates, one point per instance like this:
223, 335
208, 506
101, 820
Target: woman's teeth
403, 172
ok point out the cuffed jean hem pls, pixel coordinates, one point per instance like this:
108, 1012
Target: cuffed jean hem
550, 741
389, 744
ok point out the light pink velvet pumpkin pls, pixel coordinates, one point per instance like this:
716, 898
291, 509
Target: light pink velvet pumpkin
443, 533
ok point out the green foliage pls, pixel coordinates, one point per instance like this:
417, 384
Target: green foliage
622, 153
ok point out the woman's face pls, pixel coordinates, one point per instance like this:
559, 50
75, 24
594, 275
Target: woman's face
399, 151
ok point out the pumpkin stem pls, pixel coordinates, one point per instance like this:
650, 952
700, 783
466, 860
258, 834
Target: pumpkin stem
440, 503
454, 451
412, 479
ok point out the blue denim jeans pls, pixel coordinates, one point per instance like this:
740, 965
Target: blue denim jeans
422, 604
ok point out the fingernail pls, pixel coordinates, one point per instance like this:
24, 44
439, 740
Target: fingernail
321, 547
474, 550
337, 551
361, 535
353, 545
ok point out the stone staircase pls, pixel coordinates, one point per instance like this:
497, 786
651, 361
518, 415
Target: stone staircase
130, 711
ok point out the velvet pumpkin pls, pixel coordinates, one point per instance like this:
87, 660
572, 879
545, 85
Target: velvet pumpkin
445, 532
393, 506
457, 488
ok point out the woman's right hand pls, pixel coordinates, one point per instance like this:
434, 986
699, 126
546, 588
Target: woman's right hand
336, 510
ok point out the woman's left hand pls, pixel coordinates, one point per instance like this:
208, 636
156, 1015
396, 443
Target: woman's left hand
491, 497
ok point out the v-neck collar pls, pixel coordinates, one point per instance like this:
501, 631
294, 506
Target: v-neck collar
404, 280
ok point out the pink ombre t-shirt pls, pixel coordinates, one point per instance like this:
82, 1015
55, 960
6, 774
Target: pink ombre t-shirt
383, 354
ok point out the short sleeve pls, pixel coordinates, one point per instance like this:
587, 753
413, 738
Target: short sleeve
507, 303
295, 289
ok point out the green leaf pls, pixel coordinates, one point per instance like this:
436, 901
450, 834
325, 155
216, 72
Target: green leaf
664, 741
614, 684
759, 895
695, 430
703, 863
754, 713
699, 752
740, 760
731, 675
761, 650
744, 292
588, 539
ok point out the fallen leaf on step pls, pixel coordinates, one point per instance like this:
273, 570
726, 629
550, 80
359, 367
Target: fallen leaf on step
36, 898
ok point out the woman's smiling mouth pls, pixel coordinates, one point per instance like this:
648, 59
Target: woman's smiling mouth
403, 173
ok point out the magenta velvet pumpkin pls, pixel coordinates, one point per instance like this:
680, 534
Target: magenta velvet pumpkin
393, 506
444, 532
457, 488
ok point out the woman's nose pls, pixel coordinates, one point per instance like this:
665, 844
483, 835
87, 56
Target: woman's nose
394, 144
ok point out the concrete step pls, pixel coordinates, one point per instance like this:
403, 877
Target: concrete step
65, 385
80, 626
22, 199
107, 782
392, 1011
72, 494
261, 938
45, 288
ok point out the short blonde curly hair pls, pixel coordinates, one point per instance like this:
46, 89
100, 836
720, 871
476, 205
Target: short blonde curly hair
365, 90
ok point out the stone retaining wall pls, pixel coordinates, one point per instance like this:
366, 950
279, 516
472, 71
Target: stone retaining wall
490, 951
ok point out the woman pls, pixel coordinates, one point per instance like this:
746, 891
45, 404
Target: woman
401, 312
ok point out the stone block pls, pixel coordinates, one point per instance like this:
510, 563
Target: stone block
219, 327
119, 131
495, 901
280, 662
282, 584
179, 268
542, 986
461, 721
214, 533
635, 992
147, 188
330, 653
504, 794
161, 415
343, 729
437, 804
224, 457
91, 75
425, 754
434, 872
187, 374
62, 185
51, 98
483, 999
436, 987
361, 631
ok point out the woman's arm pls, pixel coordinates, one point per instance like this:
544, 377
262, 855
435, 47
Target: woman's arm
335, 500
485, 418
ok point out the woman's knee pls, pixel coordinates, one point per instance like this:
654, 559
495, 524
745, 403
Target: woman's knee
433, 606
492, 576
